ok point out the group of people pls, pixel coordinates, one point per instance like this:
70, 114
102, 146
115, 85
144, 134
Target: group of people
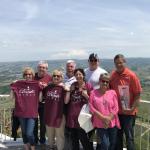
57, 100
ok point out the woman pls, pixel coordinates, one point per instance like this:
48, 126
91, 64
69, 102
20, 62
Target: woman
54, 95
76, 98
104, 107
26, 94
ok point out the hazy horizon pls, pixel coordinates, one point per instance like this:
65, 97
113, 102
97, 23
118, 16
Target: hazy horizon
68, 59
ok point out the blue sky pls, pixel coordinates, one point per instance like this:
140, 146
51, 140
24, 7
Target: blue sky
58, 29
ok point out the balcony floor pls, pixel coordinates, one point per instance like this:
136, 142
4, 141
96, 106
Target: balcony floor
22, 148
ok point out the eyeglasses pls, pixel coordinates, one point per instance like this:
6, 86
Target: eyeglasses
104, 81
58, 76
93, 60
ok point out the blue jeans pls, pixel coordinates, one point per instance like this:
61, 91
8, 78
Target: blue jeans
108, 138
127, 123
27, 127
42, 126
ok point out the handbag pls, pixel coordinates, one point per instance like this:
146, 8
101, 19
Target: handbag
84, 118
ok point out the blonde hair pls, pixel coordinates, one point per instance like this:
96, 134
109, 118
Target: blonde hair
57, 71
104, 75
28, 69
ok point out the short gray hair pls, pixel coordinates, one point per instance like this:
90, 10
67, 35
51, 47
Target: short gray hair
71, 61
43, 62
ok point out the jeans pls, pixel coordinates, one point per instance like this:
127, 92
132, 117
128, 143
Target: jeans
27, 127
68, 139
127, 126
108, 138
79, 134
42, 126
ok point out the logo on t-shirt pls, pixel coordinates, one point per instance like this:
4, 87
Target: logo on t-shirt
53, 95
28, 91
76, 97
124, 95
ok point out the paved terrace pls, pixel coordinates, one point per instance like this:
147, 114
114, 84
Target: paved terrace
142, 130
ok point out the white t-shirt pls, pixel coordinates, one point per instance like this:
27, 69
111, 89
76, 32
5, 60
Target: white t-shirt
69, 81
93, 76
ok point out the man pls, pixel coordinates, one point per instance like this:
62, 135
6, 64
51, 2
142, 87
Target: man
128, 88
94, 71
69, 78
92, 74
44, 78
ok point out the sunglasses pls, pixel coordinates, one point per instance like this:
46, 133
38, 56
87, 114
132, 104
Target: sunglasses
104, 81
58, 76
93, 60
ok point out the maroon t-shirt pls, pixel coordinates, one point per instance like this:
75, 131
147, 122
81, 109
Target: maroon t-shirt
54, 104
75, 104
46, 79
26, 98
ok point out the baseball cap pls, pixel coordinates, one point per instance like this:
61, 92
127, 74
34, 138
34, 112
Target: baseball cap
93, 56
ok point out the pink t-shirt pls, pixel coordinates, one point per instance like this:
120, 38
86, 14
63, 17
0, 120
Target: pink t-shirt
54, 105
75, 104
105, 104
26, 98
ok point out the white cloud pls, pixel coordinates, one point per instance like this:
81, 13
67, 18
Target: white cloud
4, 44
107, 29
131, 33
70, 54
31, 10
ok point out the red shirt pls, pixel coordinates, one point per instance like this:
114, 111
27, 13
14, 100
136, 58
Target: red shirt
125, 84
75, 104
46, 79
54, 104
26, 98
